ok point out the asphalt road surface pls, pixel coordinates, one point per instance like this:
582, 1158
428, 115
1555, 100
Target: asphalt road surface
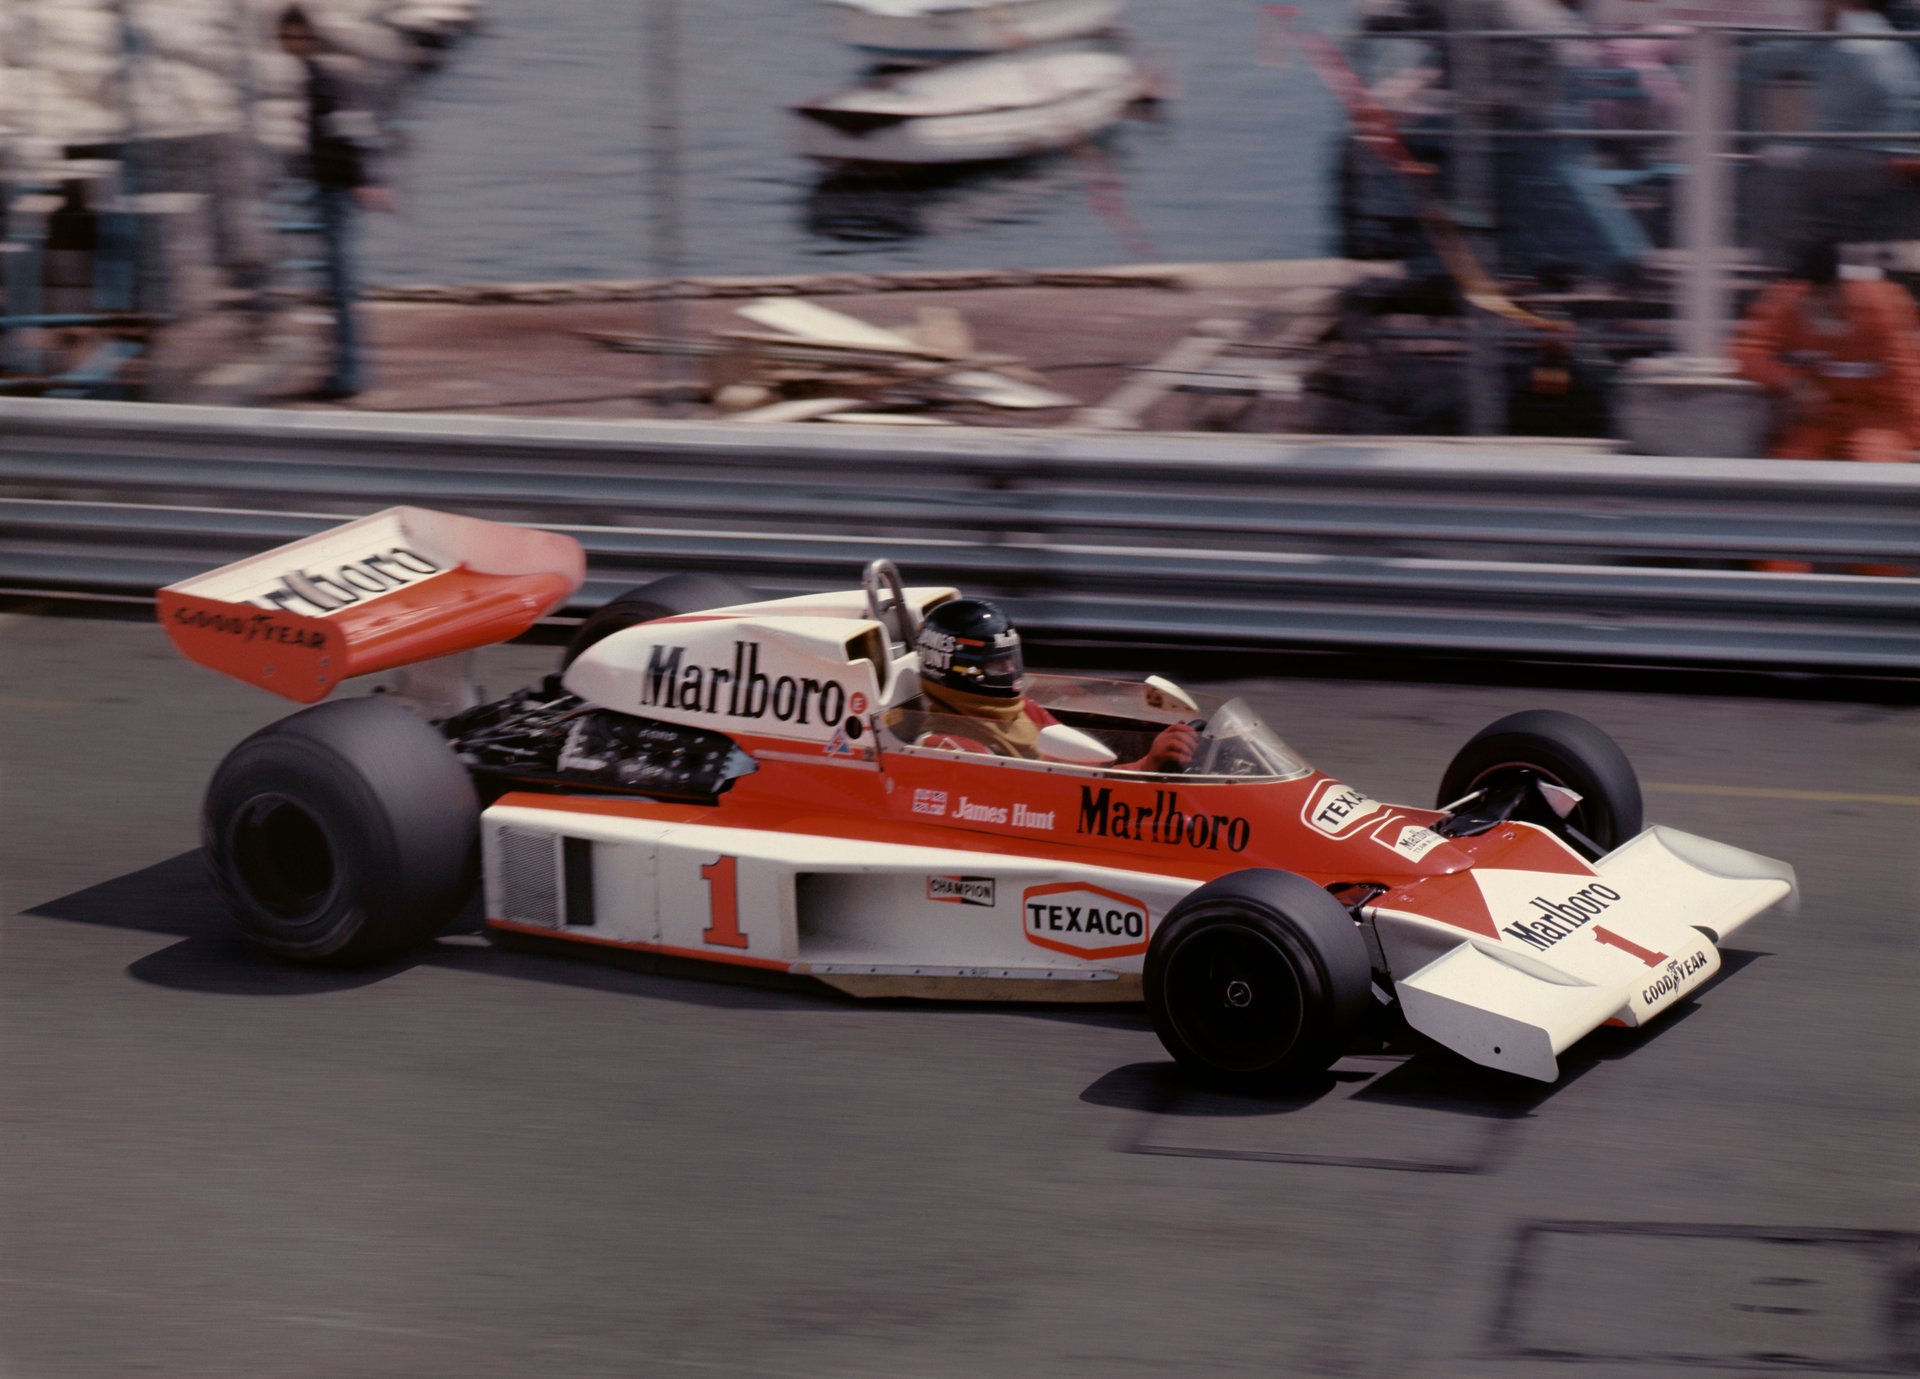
485, 1163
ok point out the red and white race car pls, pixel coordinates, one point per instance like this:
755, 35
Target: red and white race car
731, 780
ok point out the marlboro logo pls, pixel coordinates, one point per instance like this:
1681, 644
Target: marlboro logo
1160, 820
317, 593
739, 690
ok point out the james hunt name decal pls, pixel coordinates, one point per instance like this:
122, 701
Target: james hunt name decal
740, 690
1018, 815
1553, 920
936, 648
350, 582
1335, 809
1084, 920
961, 890
1162, 821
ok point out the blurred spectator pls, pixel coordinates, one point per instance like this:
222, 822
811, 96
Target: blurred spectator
1869, 82
340, 141
1866, 83
1844, 358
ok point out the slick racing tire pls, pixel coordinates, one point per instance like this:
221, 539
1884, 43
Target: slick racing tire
1559, 749
346, 834
1257, 981
663, 598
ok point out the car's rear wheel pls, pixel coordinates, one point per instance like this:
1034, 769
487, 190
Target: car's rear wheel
345, 834
694, 592
1257, 981
1554, 748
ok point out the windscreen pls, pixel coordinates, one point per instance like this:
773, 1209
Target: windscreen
1235, 742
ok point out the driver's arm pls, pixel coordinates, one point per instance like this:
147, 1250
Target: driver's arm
1172, 750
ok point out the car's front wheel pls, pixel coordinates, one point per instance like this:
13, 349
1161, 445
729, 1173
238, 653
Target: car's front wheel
1257, 980
345, 834
1548, 747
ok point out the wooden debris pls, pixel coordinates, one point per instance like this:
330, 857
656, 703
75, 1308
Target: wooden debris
1000, 390
944, 338
1233, 367
943, 330
798, 409
825, 326
1127, 405
809, 362
887, 419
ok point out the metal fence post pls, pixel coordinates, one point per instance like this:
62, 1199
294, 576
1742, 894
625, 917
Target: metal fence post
1705, 209
1474, 203
662, 39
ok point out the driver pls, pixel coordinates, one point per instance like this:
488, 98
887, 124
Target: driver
971, 668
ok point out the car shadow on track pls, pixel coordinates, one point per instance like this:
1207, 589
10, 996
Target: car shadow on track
1373, 1111
177, 898
1433, 1079
1403, 1105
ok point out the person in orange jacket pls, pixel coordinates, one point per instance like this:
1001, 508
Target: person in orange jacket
1844, 355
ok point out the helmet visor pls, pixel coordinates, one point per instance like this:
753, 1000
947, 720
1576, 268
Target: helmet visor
1000, 667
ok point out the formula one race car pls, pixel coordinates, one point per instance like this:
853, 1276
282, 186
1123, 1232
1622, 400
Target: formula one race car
726, 779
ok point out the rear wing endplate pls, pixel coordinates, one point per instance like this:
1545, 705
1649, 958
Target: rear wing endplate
404, 585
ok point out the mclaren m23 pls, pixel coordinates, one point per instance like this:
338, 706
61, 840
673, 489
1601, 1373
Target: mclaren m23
716, 777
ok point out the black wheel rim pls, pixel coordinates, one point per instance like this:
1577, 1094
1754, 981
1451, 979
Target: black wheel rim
1234, 998
283, 856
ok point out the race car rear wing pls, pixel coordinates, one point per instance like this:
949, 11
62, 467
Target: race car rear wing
401, 586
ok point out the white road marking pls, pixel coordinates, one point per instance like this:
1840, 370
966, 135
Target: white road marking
1753, 792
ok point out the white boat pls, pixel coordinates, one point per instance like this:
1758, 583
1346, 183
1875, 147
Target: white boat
954, 28
979, 110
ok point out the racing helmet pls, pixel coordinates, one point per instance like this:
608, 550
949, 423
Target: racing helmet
970, 646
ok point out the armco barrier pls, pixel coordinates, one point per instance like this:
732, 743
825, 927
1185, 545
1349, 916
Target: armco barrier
1536, 550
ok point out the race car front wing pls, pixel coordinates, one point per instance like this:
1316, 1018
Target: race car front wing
1565, 958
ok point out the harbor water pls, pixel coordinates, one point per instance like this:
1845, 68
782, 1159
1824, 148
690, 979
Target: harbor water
526, 158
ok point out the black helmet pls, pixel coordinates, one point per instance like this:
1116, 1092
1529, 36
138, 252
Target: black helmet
968, 645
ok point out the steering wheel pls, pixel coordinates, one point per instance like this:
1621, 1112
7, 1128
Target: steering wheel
1203, 753
887, 602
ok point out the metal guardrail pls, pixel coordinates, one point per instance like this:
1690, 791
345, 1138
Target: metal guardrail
1459, 547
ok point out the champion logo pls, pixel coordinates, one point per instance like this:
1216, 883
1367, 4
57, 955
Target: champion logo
961, 890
